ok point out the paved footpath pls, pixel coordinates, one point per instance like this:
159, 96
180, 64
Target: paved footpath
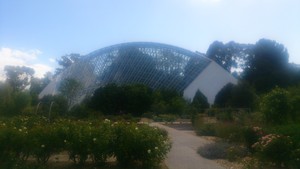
183, 154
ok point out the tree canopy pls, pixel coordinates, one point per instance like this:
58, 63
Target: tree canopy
267, 66
19, 77
66, 61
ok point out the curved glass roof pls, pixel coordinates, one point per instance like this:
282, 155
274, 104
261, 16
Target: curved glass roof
153, 64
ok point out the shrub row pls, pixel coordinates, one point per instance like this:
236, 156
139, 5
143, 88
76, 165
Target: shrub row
132, 144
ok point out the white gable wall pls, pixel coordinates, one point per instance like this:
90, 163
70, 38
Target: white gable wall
210, 81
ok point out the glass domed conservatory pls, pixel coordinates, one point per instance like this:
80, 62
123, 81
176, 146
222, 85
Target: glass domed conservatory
153, 64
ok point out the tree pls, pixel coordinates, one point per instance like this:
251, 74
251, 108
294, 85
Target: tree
66, 61
18, 77
222, 99
200, 101
139, 99
231, 56
242, 96
168, 102
36, 86
113, 99
267, 66
69, 89
12, 102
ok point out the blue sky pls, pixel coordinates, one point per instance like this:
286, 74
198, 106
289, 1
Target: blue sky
34, 32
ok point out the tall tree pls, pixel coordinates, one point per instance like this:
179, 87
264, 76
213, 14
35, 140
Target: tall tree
18, 77
231, 56
268, 66
66, 61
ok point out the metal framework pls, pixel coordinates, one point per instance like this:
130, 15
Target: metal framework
153, 64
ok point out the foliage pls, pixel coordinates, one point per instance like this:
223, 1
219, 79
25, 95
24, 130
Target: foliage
18, 77
36, 87
268, 66
200, 101
275, 106
206, 130
66, 61
23, 137
165, 118
241, 95
69, 89
275, 148
12, 103
139, 144
231, 56
168, 102
113, 99
251, 135
59, 106
222, 99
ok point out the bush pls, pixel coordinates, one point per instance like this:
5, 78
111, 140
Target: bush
132, 144
165, 118
139, 145
202, 127
231, 132
251, 135
275, 148
206, 130
275, 106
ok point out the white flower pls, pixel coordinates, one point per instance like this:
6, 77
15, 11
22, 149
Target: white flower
94, 139
20, 130
149, 151
156, 148
136, 128
65, 141
43, 146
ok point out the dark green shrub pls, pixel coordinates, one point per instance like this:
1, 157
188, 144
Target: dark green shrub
101, 142
139, 144
207, 129
275, 106
46, 142
225, 115
231, 132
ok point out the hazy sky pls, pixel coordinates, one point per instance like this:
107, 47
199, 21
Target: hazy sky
35, 32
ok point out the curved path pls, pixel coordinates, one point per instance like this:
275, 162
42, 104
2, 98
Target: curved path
183, 154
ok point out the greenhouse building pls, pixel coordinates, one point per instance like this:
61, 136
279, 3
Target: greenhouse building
156, 65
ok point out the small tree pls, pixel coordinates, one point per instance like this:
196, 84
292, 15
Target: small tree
200, 101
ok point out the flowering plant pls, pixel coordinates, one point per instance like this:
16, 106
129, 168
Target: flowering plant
274, 148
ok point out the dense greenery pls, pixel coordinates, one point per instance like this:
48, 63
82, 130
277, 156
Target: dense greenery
136, 100
132, 144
